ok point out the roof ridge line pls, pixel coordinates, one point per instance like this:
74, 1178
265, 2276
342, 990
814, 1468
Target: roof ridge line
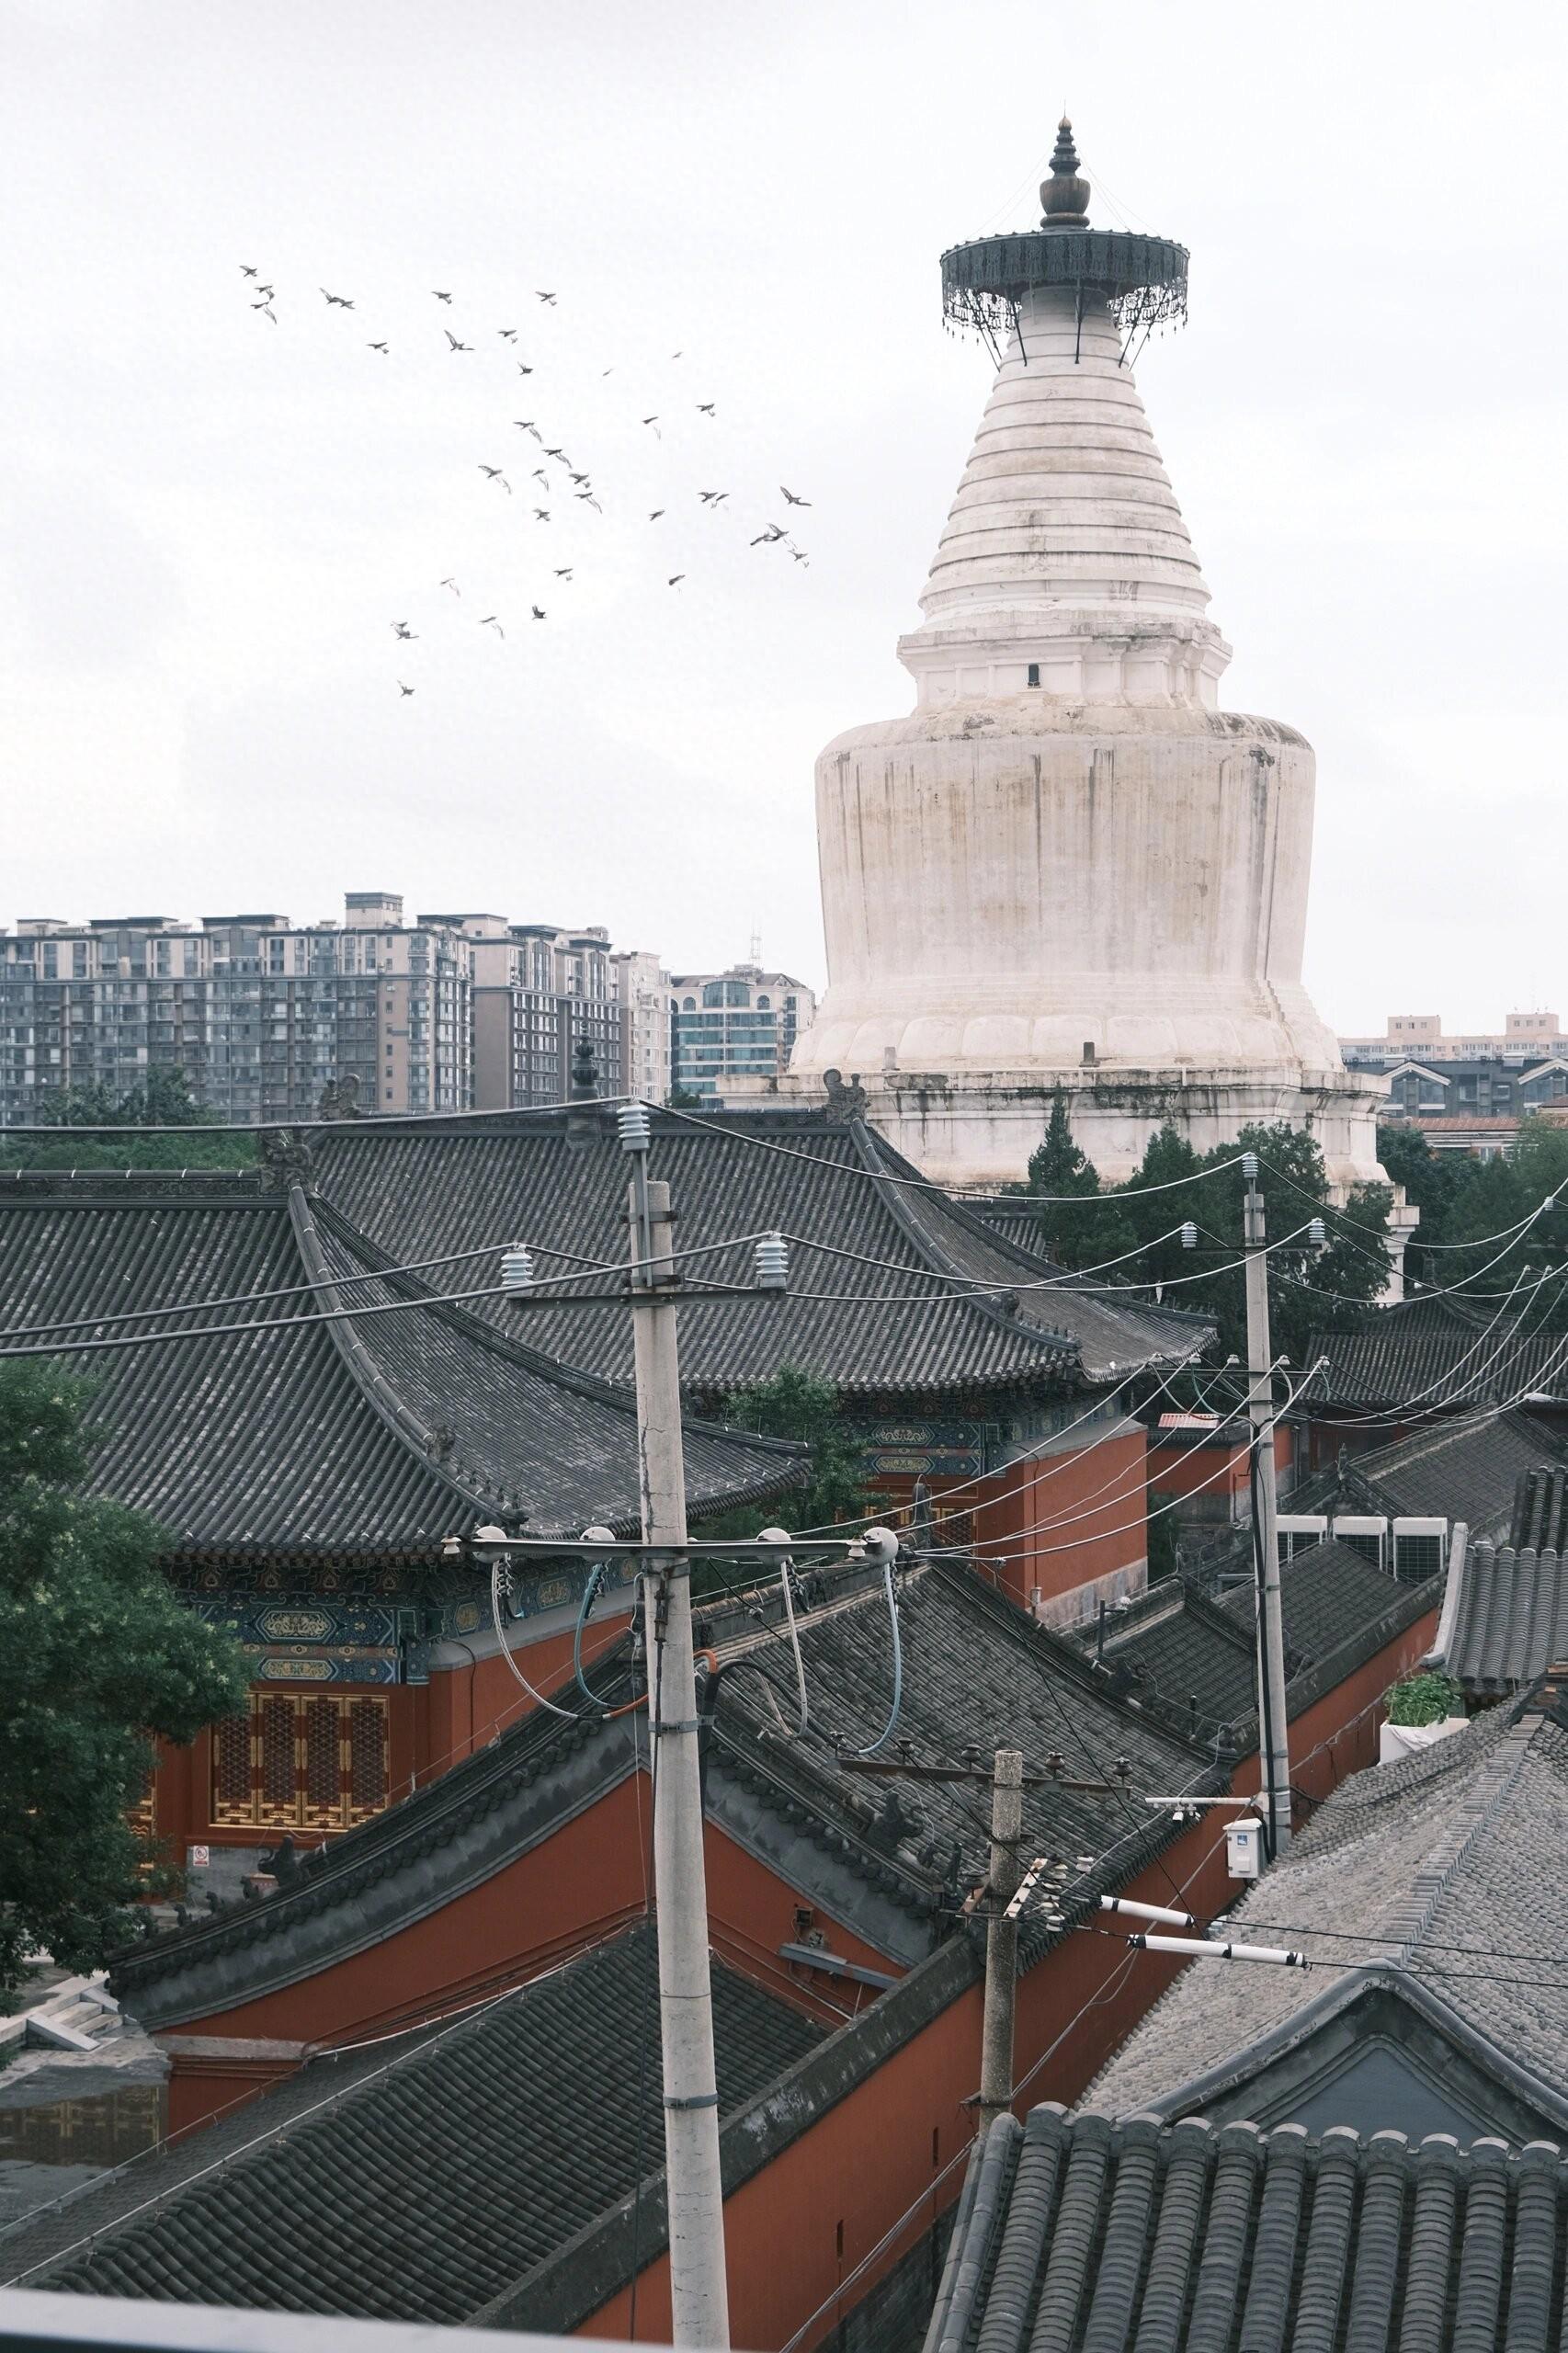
1410, 1918
861, 1132
376, 1391
521, 1352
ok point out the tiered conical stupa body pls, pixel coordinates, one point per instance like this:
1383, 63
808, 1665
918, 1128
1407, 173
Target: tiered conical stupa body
1067, 867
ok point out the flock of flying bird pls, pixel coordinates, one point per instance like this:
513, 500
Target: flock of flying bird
567, 482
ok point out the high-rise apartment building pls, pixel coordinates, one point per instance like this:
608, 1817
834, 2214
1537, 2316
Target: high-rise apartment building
733, 1025
260, 1014
538, 993
642, 992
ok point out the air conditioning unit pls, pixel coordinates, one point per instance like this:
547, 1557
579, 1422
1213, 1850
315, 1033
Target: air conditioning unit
1366, 1535
1420, 1547
1297, 1532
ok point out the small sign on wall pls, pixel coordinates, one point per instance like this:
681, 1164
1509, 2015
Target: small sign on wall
199, 1858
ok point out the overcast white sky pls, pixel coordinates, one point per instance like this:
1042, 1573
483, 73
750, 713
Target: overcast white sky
210, 523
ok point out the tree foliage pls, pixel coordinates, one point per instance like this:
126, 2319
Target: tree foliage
163, 1099
1468, 1202
796, 1405
1174, 1185
97, 1655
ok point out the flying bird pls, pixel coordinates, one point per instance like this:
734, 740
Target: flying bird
453, 586
508, 334
268, 291
712, 497
341, 300
557, 453
522, 370
439, 295
542, 514
674, 579
403, 689
529, 426
800, 555
539, 475
402, 630
563, 572
577, 478
453, 341
247, 271
655, 515
592, 501
544, 298
378, 346
494, 474
654, 422
490, 621
538, 612
791, 499
774, 532
268, 308
705, 408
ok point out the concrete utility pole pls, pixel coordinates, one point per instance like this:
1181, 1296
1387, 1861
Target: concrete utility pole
699, 2308
1001, 1939
1273, 1730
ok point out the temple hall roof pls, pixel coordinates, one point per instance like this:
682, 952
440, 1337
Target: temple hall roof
1410, 1881
1086, 2235
943, 1306
1467, 1469
432, 2178
1504, 1617
377, 1434
1436, 1352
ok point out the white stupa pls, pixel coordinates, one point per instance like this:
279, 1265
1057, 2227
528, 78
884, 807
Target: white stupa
1068, 867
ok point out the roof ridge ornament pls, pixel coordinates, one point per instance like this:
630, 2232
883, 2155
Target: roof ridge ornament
1064, 197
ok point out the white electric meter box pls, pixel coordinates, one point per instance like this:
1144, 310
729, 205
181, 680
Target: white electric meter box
1243, 1848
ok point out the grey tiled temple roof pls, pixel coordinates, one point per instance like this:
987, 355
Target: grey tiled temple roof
1199, 1654
1077, 2235
428, 2180
1504, 1617
1465, 1469
560, 1182
1409, 1875
380, 1433
1437, 1350
1541, 1507
975, 1669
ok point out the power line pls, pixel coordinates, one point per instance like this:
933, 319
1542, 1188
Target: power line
924, 1183
360, 1125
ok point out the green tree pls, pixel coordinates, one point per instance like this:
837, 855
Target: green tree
1077, 1227
163, 1099
796, 1405
96, 1656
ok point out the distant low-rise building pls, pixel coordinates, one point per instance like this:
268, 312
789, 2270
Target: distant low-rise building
736, 1025
1467, 1094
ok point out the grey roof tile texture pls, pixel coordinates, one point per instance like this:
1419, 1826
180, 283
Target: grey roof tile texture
1504, 1619
1083, 2236
1465, 1469
1540, 1508
440, 2176
562, 1183
315, 1437
1458, 1846
1438, 1351
1197, 1654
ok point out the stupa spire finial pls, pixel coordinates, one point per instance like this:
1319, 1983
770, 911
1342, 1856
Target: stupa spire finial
1064, 198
